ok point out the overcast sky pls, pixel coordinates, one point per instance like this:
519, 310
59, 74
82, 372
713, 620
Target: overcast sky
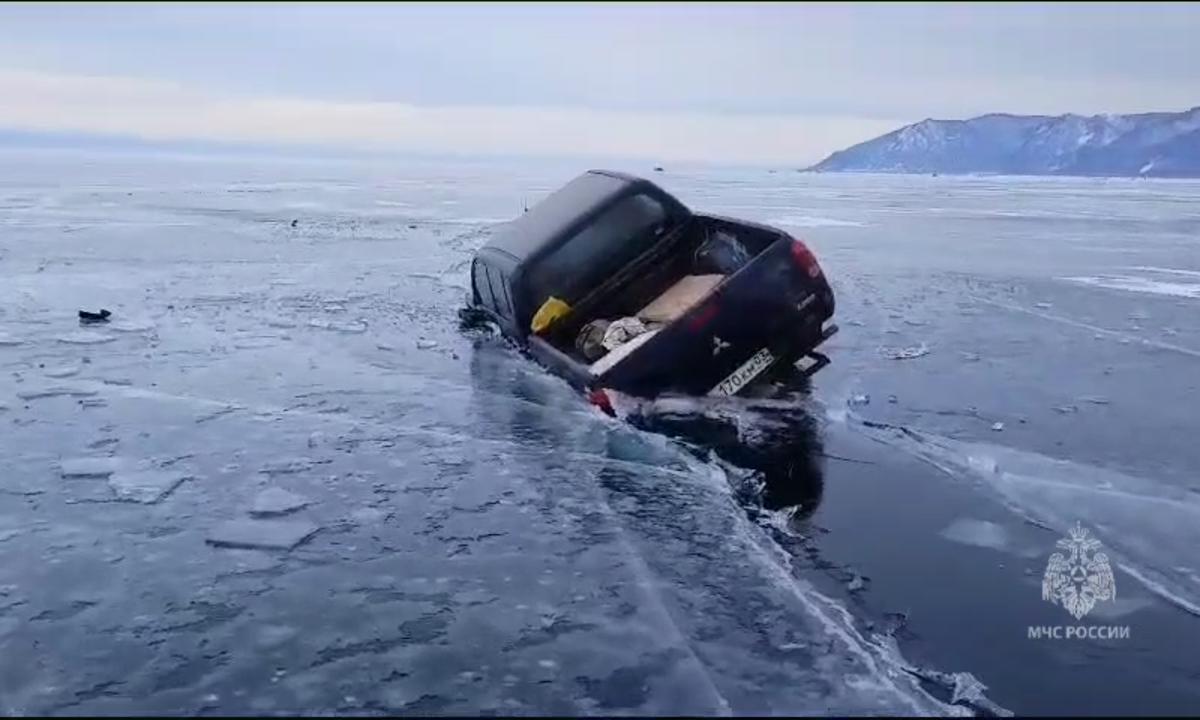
762, 83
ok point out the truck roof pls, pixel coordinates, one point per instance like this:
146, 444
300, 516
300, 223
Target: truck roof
559, 213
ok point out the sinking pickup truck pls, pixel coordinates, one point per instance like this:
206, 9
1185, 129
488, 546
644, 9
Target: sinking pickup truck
616, 285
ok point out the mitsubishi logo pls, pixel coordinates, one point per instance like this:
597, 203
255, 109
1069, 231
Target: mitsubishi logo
718, 345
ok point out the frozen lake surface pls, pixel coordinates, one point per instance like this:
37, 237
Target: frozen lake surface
281, 480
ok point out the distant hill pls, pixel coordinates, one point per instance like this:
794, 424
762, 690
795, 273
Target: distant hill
1161, 144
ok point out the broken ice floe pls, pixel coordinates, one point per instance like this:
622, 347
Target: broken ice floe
368, 516
144, 486
979, 533
426, 344
860, 400
965, 689
86, 337
246, 561
276, 501
908, 353
356, 327
262, 534
90, 467
57, 391
65, 371
288, 467
130, 326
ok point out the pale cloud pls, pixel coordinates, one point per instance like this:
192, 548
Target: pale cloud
159, 110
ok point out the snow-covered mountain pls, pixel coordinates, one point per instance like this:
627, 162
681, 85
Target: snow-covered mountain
1159, 144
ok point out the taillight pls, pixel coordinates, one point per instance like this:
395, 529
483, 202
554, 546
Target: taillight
600, 399
701, 317
805, 259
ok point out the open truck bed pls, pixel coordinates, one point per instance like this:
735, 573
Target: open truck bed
723, 301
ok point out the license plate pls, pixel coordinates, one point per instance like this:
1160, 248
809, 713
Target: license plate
741, 377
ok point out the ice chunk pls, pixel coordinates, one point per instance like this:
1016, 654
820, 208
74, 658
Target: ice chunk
979, 533
130, 326
7, 340
262, 534
368, 515
57, 391
86, 337
355, 327
998, 426
964, 688
287, 467
91, 467
908, 353
860, 400
426, 344
144, 486
1095, 399
276, 501
248, 561
65, 371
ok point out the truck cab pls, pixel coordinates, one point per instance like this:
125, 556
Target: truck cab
704, 304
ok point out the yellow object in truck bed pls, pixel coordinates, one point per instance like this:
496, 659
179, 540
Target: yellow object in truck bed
550, 311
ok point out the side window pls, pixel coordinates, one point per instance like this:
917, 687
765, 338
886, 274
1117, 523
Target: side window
500, 292
605, 245
483, 289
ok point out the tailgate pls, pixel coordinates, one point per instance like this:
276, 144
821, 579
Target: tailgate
774, 303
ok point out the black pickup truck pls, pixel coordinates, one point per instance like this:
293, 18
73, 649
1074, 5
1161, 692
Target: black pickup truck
616, 285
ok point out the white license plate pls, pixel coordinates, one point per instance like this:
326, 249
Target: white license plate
741, 377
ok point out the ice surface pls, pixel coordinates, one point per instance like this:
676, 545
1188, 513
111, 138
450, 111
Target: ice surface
276, 501
522, 525
86, 337
1059, 493
979, 533
262, 534
91, 466
144, 486
1141, 285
